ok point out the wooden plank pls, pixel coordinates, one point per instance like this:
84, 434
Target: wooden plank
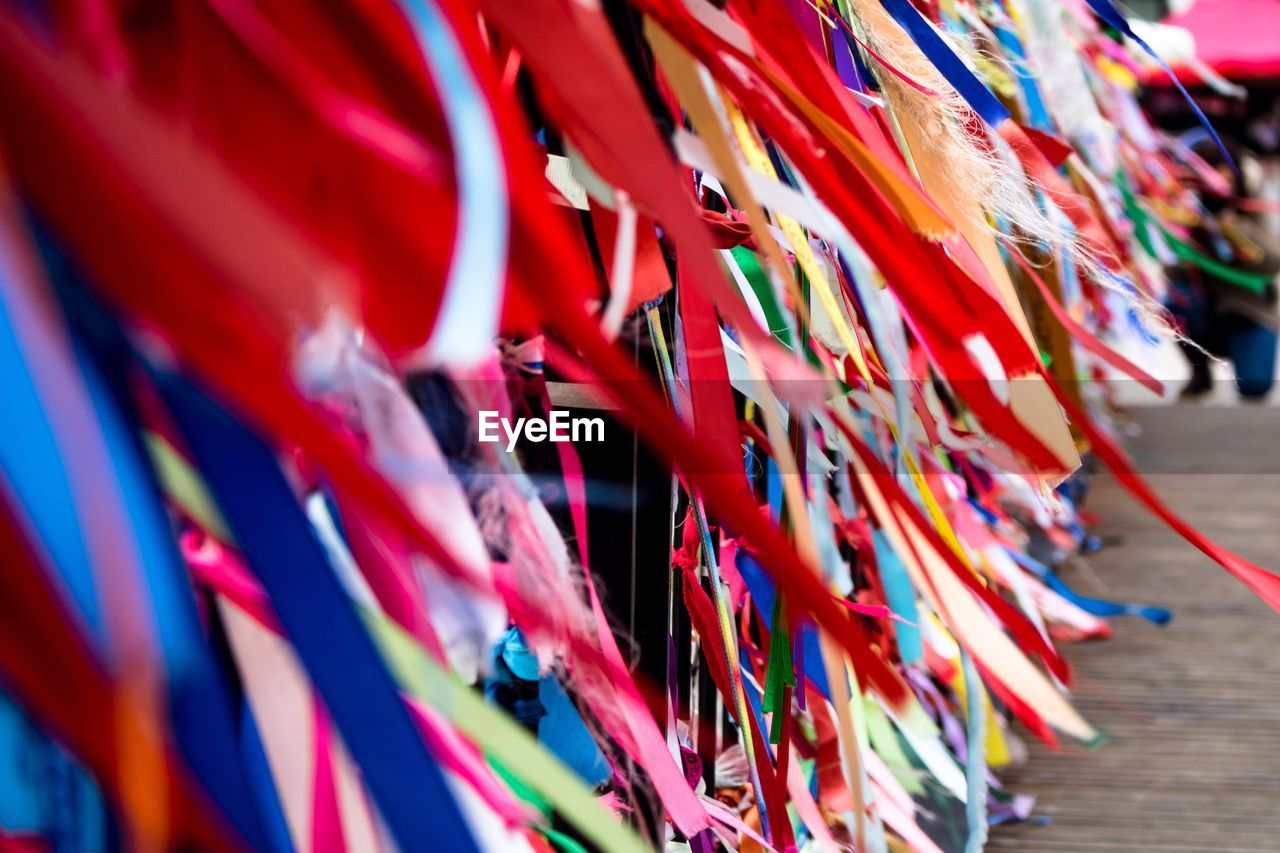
1192, 710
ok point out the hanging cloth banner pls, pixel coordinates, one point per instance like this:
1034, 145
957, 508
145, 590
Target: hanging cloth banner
74, 433
980, 98
243, 601
762, 594
707, 378
703, 616
816, 93
361, 122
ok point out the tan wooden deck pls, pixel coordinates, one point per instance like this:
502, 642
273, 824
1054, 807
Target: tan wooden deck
1192, 710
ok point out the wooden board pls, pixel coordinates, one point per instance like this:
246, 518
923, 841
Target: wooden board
1192, 710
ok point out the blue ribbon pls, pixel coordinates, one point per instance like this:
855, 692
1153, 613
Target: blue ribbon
1095, 606
1111, 16
34, 470
200, 708
975, 759
761, 588
261, 782
1037, 114
900, 595
938, 52
330, 638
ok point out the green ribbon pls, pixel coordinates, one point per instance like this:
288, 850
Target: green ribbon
747, 261
780, 673
1254, 282
517, 751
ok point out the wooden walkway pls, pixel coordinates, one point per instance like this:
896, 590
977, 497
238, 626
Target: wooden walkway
1192, 710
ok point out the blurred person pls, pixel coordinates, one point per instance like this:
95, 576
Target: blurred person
734, 789
1219, 317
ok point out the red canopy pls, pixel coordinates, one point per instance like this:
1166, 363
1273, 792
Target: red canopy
1239, 39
